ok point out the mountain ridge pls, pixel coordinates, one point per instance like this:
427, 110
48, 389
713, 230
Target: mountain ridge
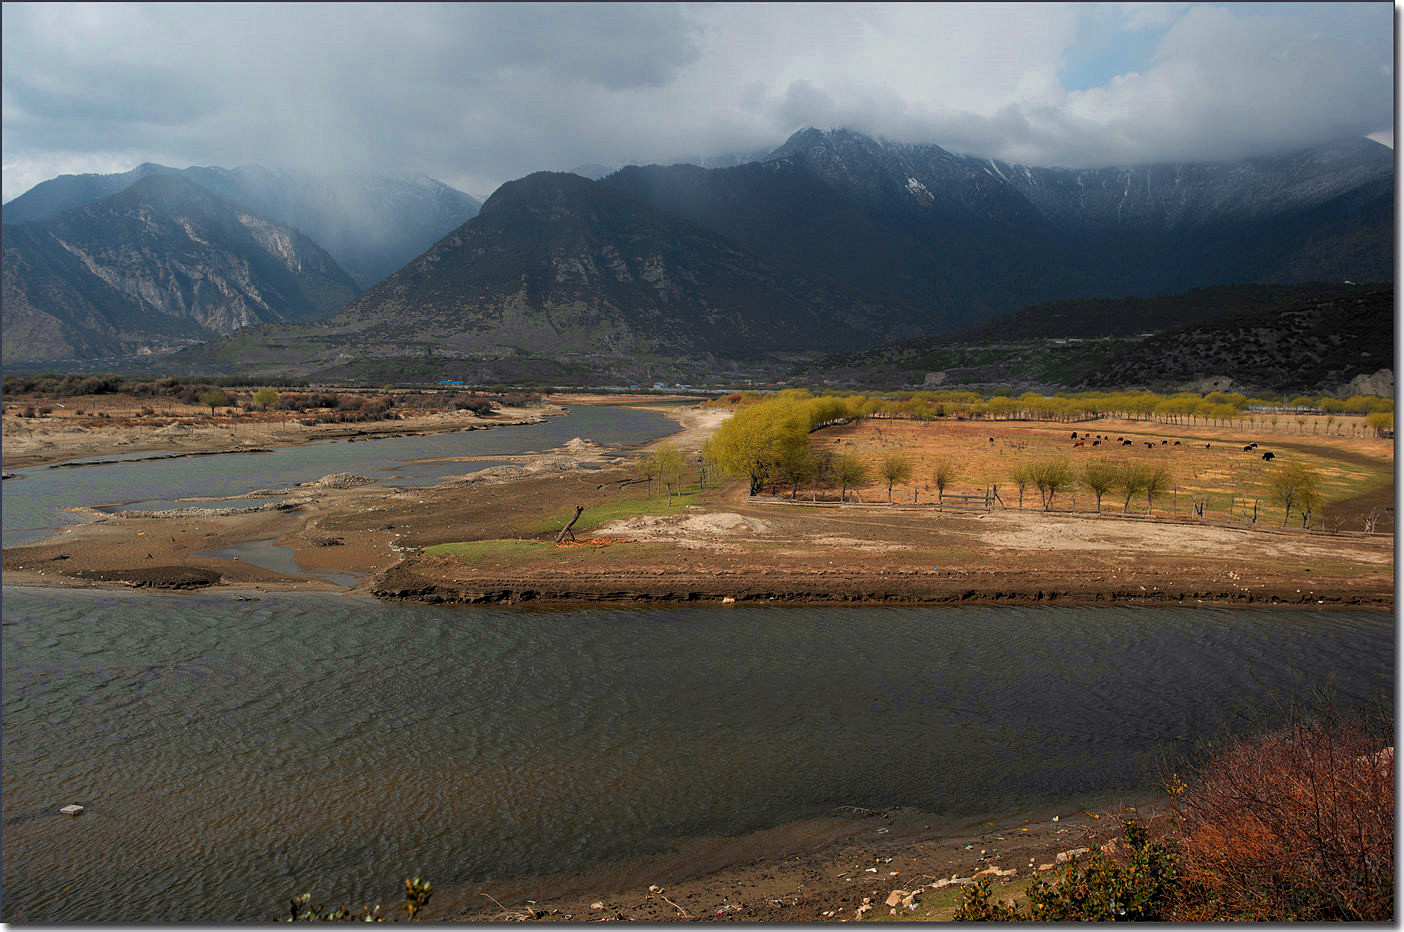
370, 224
161, 263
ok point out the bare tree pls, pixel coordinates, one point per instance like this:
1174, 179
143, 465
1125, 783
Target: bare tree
1372, 518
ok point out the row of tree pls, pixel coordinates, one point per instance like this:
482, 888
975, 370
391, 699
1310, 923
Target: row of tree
767, 443
1214, 408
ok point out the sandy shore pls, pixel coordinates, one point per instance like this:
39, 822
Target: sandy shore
841, 867
41, 441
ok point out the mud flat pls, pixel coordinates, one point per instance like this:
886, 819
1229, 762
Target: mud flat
39, 441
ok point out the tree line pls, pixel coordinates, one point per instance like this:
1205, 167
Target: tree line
767, 443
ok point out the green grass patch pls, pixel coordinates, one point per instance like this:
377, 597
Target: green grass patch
518, 552
502, 549
607, 511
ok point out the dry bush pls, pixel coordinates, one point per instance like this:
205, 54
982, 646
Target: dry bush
1295, 825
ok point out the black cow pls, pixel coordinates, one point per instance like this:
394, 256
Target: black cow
1149, 445
1126, 443
1074, 436
1164, 442
1177, 443
1096, 443
1267, 455
1248, 449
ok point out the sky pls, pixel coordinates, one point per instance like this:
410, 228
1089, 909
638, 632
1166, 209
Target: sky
479, 94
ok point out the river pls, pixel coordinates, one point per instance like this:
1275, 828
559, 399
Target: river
234, 753
34, 503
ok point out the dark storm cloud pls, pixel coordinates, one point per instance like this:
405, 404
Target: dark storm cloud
476, 94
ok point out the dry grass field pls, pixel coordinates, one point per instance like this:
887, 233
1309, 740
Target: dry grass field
1207, 462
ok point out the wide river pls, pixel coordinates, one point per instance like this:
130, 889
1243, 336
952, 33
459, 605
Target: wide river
233, 753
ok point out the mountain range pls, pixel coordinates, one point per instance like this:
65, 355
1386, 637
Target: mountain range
370, 224
161, 264
833, 241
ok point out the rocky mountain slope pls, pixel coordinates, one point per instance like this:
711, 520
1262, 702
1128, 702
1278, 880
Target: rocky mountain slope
556, 265
1311, 337
835, 241
160, 264
1316, 347
967, 239
371, 225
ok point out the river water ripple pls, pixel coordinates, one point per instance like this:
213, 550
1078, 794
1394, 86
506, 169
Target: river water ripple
232, 754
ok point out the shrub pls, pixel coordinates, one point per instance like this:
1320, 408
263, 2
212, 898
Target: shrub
1297, 825
1093, 887
417, 894
1293, 825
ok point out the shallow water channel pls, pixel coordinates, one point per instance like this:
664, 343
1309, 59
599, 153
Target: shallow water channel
234, 753
33, 505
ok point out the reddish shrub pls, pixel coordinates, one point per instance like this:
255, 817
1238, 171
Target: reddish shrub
1294, 825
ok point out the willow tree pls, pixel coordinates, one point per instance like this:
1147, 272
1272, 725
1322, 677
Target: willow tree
1023, 479
1099, 477
1295, 485
1131, 478
1051, 477
1158, 479
796, 463
670, 462
752, 442
849, 472
894, 469
943, 475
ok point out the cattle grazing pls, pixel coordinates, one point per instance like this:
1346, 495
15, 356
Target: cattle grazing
1126, 443
1096, 443
1164, 442
1177, 443
1267, 455
1079, 444
1254, 444
1149, 445
1206, 446
1248, 449
991, 440
1074, 436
